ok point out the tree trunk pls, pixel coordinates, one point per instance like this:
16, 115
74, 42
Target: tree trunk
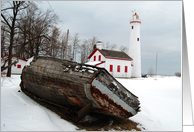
11, 43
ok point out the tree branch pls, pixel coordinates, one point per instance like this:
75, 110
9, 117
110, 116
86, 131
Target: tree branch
4, 68
6, 9
6, 20
24, 44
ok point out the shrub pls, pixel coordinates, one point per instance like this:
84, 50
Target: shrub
178, 74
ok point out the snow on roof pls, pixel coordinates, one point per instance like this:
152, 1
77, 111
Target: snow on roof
93, 63
29, 60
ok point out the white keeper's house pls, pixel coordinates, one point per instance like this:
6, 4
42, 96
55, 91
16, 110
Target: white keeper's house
15, 69
120, 64
117, 63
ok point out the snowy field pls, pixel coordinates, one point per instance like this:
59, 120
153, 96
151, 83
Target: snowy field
161, 102
161, 106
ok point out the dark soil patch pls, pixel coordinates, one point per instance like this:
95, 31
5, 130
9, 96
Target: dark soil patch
105, 123
93, 121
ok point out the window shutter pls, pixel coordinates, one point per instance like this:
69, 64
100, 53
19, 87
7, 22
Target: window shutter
111, 68
99, 58
118, 68
126, 69
18, 66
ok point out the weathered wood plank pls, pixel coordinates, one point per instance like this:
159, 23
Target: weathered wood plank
72, 84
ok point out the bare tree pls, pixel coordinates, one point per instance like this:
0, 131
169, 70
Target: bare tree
83, 56
106, 45
123, 49
113, 46
91, 43
9, 16
69, 52
84, 49
75, 43
63, 45
4, 41
178, 74
37, 23
87, 48
55, 45
28, 28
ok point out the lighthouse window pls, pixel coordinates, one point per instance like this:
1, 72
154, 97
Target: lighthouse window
137, 39
131, 27
94, 58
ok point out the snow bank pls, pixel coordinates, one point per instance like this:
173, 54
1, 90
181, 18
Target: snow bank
161, 108
161, 102
20, 113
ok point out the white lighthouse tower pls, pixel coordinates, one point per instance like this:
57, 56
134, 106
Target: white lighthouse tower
134, 46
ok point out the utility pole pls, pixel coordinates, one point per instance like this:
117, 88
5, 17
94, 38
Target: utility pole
66, 43
156, 64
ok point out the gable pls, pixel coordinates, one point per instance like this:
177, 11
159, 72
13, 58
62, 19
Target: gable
92, 53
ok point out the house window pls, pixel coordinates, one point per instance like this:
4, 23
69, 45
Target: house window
137, 39
126, 69
94, 58
131, 27
18, 66
118, 68
99, 57
111, 68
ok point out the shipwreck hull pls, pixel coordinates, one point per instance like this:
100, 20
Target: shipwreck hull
73, 85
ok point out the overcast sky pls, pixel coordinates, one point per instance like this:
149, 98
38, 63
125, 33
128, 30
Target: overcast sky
160, 30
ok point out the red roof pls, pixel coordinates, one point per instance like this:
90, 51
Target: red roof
92, 53
135, 14
100, 63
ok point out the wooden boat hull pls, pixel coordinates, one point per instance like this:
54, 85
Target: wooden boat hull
74, 86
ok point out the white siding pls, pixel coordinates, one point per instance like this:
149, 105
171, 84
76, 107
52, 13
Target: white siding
97, 53
15, 69
115, 64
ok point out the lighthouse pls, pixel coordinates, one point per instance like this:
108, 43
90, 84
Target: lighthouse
134, 46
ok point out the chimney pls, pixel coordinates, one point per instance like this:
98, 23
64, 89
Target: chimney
99, 44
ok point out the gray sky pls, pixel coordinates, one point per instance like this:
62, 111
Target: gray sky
109, 21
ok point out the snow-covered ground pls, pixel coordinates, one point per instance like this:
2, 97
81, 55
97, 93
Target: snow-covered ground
161, 106
161, 102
